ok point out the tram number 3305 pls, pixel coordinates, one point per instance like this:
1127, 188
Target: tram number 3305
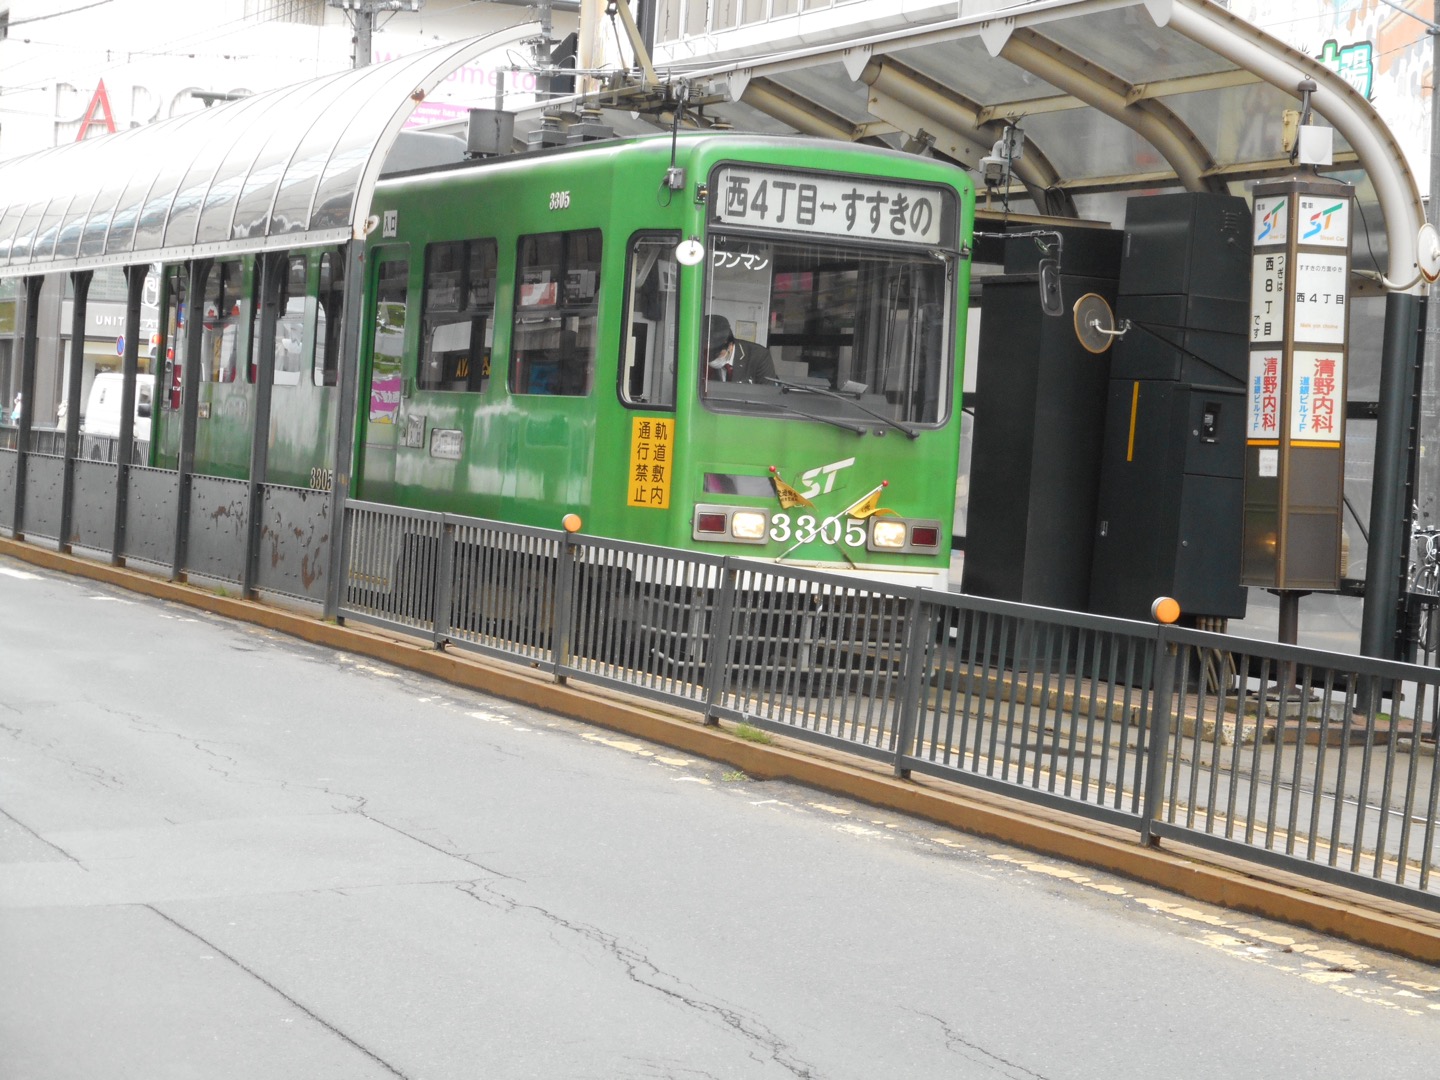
832, 530
559, 200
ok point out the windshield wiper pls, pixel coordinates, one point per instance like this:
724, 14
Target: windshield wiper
801, 388
858, 429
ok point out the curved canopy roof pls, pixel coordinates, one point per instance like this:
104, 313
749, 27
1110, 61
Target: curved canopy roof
284, 168
1112, 96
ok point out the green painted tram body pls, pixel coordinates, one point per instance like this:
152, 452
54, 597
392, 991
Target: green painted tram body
435, 432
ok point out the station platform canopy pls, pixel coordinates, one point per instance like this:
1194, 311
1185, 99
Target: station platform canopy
289, 167
1111, 95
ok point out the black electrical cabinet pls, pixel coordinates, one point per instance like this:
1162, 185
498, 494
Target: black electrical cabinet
1168, 518
1040, 399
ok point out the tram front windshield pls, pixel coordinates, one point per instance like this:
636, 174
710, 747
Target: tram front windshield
821, 327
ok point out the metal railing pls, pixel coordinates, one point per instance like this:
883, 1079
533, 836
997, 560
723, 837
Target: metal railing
1317, 763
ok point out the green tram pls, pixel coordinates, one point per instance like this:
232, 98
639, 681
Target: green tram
737, 344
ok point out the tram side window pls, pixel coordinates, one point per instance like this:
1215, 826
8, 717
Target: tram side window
557, 293
328, 323
647, 364
459, 315
290, 321
225, 321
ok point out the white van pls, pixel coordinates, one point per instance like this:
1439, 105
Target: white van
100, 422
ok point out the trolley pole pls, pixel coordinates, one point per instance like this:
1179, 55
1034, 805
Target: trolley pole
361, 15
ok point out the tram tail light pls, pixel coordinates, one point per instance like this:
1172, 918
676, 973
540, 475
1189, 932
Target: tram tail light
925, 536
733, 524
713, 524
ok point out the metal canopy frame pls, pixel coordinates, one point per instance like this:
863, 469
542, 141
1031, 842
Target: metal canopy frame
1113, 96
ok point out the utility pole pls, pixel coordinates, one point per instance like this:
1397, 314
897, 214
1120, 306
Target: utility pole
361, 15
1427, 469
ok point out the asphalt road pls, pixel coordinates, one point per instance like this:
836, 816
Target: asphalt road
225, 853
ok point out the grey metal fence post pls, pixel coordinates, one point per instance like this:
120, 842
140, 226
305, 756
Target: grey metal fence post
75, 366
347, 379
130, 366
1161, 722
564, 606
913, 667
28, 350
442, 600
197, 274
273, 268
717, 655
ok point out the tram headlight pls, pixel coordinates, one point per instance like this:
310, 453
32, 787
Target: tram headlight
749, 525
888, 534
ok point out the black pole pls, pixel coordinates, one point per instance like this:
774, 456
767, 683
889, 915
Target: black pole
1385, 559
130, 373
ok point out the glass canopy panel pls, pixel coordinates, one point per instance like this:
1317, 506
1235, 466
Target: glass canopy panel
351, 126
217, 216
97, 222
1235, 123
25, 233
965, 66
8, 224
146, 143
336, 190
311, 148
49, 230
1127, 43
831, 88
150, 229
287, 119
193, 195
1082, 143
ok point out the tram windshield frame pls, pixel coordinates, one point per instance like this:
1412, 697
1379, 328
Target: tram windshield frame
843, 329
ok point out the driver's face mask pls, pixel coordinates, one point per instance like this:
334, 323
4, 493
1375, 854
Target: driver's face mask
721, 359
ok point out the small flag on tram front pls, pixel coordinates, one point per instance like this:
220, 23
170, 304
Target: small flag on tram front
787, 495
869, 506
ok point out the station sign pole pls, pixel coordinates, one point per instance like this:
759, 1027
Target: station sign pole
1295, 438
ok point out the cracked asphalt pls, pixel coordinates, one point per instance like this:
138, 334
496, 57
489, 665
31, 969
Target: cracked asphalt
226, 853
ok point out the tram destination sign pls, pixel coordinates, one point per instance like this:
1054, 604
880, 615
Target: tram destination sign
864, 207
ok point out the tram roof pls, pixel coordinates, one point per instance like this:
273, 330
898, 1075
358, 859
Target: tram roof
1112, 96
285, 168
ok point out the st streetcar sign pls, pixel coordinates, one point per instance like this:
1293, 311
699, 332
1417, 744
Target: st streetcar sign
1295, 436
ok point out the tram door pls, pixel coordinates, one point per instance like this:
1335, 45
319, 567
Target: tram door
386, 349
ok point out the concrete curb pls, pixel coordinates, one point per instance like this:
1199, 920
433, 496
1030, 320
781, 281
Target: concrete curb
1331, 910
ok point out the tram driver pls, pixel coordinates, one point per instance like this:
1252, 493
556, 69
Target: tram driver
732, 359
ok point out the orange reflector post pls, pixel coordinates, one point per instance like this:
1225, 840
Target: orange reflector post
1164, 610
571, 523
